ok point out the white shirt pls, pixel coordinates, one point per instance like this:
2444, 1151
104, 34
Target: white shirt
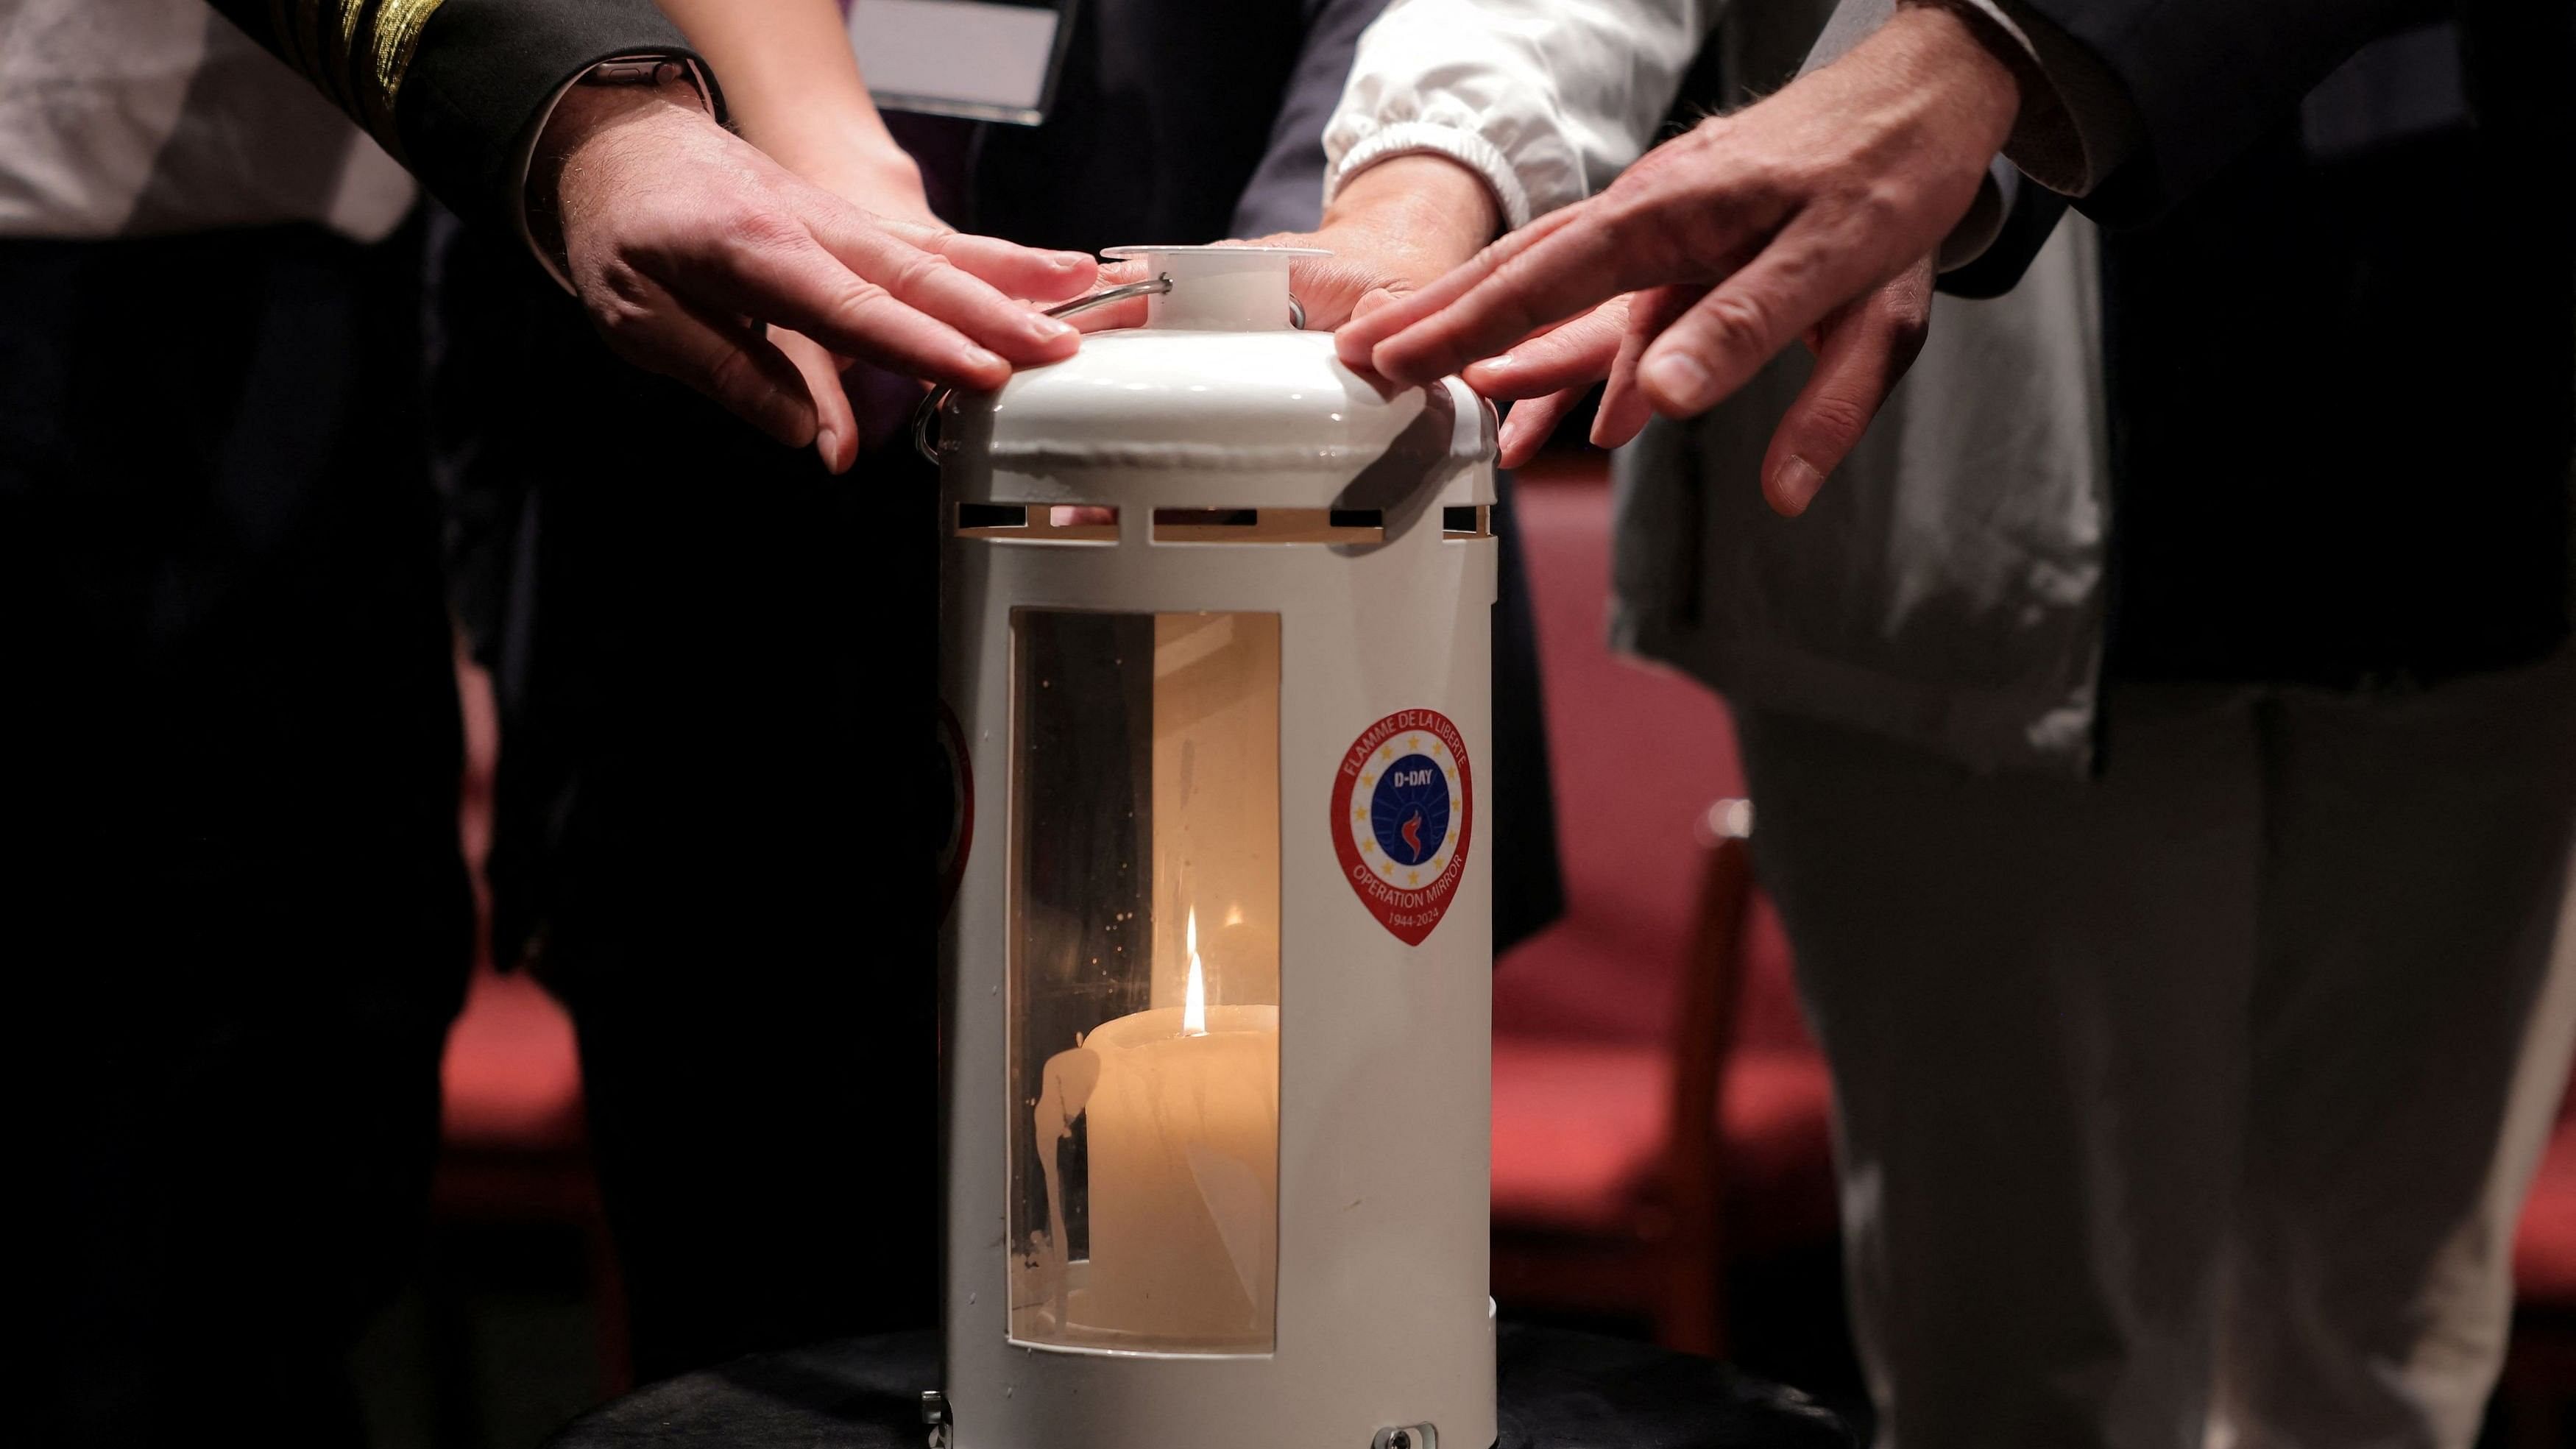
137, 117
1547, 100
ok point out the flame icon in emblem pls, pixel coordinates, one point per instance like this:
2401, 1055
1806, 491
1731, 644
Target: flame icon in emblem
1412, 833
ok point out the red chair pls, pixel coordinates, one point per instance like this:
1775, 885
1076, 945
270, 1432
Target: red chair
513, 1149
2539, 1385
1658, 1107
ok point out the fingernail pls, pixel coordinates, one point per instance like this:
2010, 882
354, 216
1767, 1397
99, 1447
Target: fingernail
1070, 261
977, 357
1054, 329
826, 443
1794, 486
1683, 383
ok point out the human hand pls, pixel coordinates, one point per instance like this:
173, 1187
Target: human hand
688, 247
1392, 229
871, 173
1862, 350
1730, 241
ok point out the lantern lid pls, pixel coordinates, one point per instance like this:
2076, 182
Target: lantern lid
1219, 289
1218, 381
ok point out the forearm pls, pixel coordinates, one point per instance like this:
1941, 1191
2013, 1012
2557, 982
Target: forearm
1439, 206
1288, 187
2075, 124
794, 90
452, 89
2130, 104
1546, 99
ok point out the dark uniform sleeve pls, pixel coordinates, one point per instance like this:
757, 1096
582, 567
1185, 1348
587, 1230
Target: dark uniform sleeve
1287, 193
2207, 76
2032, 217
452, 88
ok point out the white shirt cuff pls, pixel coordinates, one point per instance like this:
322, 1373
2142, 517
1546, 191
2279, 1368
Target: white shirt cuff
1468, 149
1984, 222
2076, 124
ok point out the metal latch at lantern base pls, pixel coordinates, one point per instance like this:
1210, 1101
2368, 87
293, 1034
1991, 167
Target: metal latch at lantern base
934, 1412
922, 442
1407, 1436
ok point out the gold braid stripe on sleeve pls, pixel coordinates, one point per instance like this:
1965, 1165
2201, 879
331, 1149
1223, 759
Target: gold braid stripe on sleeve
353, 51
393, 35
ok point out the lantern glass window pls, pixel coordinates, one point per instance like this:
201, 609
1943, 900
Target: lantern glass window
1144, 980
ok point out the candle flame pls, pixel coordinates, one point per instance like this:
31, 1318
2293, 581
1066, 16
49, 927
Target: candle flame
1194, 996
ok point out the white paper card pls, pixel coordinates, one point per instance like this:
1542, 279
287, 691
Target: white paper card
976, 58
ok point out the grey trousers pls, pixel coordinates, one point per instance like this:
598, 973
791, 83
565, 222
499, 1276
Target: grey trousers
2193, 1105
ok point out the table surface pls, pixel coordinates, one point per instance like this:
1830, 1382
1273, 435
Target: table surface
1559, 1390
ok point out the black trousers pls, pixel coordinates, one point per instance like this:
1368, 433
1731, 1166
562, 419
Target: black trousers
714, 668
239, 925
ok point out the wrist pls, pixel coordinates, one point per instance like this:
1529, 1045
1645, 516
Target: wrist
1961, 56
586, 119
1429, 199
885, 181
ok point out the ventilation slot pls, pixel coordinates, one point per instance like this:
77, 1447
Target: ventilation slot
1038, 523
1269, 525
1471, 521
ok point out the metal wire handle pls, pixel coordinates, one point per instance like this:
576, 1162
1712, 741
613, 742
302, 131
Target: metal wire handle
928, 413
930, 406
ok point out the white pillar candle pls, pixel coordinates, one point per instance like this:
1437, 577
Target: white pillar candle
1182, 1110
1184, 1133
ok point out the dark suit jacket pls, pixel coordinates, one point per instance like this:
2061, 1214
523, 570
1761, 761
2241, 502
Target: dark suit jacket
2340, 339
452, 93
1175, 121
2206, 76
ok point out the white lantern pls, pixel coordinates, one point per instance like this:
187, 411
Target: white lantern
1215, 647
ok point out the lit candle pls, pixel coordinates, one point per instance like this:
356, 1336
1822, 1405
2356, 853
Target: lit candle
1171, 1196
1182, 1110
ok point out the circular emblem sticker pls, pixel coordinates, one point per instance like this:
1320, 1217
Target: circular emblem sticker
1403, 810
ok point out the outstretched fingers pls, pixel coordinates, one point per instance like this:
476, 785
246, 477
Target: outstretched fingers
1624, 407
836, 425
1015, 270
726, 358
1110, 316
1528, 425
1716, 346
1359, 341
787, 278
1574, 354
1533, 279
1862, 352
930, 284
844, 280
